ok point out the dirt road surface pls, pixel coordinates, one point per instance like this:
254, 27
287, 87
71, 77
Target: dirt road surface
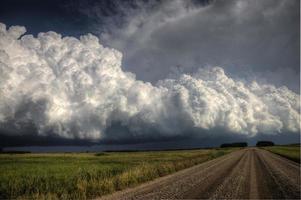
250, 173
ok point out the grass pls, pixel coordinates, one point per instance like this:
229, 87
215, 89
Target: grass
291, 152
88, 175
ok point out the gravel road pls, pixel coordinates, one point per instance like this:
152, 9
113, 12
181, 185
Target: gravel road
250, 173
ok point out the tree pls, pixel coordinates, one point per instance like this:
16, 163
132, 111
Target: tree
235, 144
264, 143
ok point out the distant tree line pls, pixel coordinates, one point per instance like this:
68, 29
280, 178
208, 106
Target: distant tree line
236, 144
14, 152
264, 143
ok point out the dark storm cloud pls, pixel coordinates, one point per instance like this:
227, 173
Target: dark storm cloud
250, 39
46, 15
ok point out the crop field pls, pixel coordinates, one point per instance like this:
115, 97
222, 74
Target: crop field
291, 152
88, 175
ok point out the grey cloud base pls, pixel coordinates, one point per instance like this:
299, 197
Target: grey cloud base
76, 88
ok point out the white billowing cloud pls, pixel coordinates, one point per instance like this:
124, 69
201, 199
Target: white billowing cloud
77, 89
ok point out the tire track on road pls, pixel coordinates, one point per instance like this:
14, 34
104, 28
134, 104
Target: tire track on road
249, 173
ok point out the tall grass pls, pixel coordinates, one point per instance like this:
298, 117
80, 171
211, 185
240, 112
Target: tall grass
291, 152
88, 175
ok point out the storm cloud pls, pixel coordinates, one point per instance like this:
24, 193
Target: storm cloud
76, 88
253, 39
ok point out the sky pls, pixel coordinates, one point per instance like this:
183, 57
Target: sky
149, 74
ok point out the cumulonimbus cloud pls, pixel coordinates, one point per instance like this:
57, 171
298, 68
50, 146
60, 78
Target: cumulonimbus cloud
77, 89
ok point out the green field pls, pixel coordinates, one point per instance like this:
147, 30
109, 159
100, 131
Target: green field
291, 152
88, 175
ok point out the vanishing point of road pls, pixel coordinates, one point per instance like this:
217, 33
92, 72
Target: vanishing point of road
250, 173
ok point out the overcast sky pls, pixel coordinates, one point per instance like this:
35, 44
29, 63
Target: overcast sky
152, 71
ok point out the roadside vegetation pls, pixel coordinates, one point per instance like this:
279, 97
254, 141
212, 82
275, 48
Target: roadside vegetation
291, 152
88, 175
